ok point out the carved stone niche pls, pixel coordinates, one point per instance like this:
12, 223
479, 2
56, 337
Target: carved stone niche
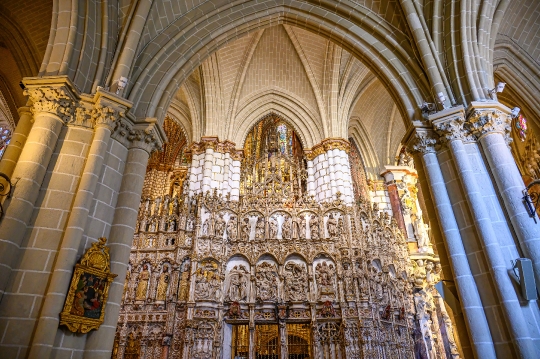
280, 225
308, 225
333, 224
207, 281
237, 280
252, 227
267, 281
325, 278
295, 280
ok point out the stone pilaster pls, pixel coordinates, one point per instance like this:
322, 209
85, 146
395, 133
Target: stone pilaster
423, 142
449, 124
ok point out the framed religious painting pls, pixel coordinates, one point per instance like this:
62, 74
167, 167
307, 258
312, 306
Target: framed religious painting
84, 308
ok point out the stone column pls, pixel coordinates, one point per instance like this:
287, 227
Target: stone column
310, 178
207, 169
18, 139
424, 142
449, 124
144, 139
489, 122
52, 101
103, 115
392, 175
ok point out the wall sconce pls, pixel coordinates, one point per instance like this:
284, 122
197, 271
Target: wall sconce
442, 98
121, 84
515, 112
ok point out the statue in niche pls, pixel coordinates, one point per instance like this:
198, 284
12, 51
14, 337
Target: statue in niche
324, 274
266, 282
231, 228
204, 227
296, 283
184, 284
407, 201
340, 226
157, 203
422, 236
163, 284
172, 225
348, 285
302, 229
166, 201
246, 229
286, 229
313, 227
273, 227
259, 230
153, 225
220, 227
238, 284
142, 285
332, 225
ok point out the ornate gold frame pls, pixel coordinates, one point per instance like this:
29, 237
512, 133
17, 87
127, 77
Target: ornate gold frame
95, 264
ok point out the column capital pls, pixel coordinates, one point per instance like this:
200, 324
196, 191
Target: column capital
450, 125
422, 140
145, 135
55, 95
108, 108
488, 117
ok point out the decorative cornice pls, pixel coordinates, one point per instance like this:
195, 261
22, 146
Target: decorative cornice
422, 140
213, 142
326, 145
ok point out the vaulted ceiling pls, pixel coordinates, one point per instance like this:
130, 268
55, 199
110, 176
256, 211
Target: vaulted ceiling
310, 81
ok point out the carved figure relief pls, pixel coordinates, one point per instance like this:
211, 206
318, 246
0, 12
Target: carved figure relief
267, 282
238, 284
296, 282
325, 275
207, 282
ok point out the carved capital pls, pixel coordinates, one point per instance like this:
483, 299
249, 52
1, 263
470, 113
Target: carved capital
452, 129
145, 137
422, 141
484, 121
55, 99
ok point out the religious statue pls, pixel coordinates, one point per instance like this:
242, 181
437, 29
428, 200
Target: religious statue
422, 236
348, 285
231, 228
324, 274
220, 227
273, 226
238, 284
142, 285
331, 225
286, 228
163, 284
314, 227
246, 229
259, 229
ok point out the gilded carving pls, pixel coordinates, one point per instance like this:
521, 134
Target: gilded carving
86, 299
